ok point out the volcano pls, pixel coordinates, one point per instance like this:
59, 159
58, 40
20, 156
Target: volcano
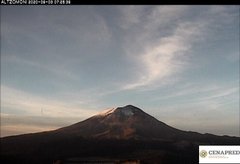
128, 122
116, 135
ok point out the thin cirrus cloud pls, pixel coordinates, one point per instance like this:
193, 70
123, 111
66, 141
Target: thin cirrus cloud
168, 57
164, 43
206, 92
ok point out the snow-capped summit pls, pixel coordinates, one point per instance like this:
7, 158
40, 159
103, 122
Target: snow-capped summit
128, 110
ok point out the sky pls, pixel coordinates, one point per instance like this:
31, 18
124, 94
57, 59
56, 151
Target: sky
63, 64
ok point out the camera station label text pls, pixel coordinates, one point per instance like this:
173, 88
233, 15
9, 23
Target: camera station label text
35, 2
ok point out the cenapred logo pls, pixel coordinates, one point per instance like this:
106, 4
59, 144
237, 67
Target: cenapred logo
219, 154
203, 153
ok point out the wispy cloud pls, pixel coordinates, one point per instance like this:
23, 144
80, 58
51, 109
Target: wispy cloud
159, 43
167, 56
199, 92
162, 42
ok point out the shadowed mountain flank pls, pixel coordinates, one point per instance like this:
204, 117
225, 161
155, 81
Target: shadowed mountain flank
117, 134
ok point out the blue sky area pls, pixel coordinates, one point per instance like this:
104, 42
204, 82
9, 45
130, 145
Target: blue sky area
63, 64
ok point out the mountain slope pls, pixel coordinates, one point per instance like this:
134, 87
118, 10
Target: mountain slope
119, 133
130, 122
122, 123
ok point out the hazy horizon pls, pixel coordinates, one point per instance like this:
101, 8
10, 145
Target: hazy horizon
63, 64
